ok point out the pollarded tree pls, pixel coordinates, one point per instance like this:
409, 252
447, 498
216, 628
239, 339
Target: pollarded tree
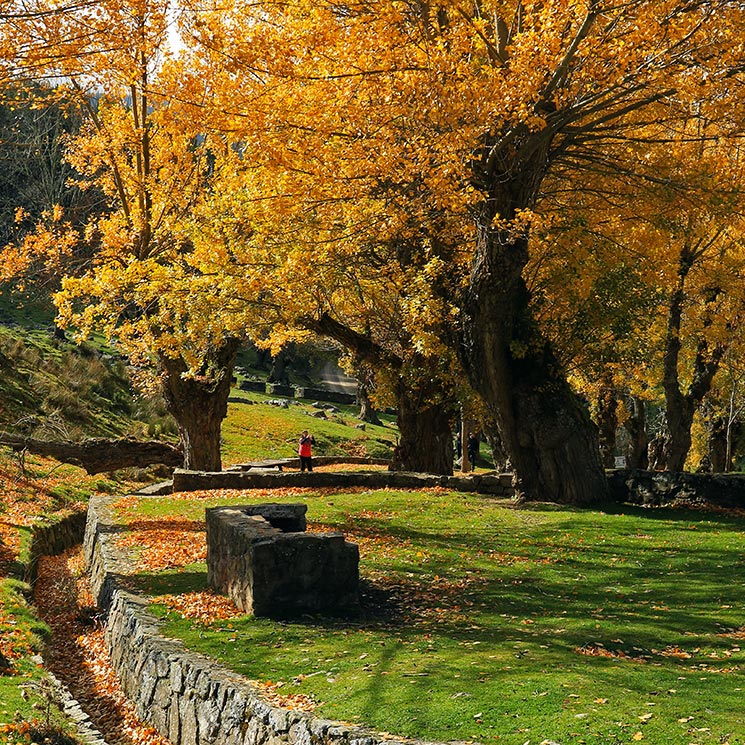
404, 110
153, 161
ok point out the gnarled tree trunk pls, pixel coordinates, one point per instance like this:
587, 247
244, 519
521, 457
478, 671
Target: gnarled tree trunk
680, 407
717, 441
199, 404
364, 385
607, 421
426, 437
637, 455
100, 455
547, 432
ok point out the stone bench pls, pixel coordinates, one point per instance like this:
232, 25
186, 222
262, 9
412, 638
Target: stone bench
261, 557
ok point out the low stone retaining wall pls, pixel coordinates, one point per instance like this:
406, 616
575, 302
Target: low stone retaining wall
499, 485
187, 697
318, 460
320, 394
658, 488
53, 539
289, 391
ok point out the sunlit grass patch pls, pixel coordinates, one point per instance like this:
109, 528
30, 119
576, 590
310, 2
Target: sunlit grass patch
259, 430
484, 622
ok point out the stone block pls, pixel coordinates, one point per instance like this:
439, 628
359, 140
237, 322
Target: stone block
262, 558
321, 394
275, 389
256, 386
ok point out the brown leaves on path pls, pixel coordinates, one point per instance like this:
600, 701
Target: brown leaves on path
77, 654
202, 607
167, 542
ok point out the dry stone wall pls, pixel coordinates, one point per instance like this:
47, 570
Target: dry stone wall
52, 539
494, 484
261, 557
659, 488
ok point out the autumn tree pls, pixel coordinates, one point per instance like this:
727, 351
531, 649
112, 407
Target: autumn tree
458, 115
152, 160
289, 288
638, 284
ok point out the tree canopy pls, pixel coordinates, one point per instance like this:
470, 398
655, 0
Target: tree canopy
449, 181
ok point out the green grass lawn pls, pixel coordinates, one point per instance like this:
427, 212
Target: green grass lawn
259, 430
488, 623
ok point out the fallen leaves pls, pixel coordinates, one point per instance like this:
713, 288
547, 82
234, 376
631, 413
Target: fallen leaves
273, 694
78, 654
203, 607
599, 650
166, 542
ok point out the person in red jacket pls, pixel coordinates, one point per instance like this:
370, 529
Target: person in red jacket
305, 451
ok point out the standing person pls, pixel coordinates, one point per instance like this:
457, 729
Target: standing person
473, 448
305, 451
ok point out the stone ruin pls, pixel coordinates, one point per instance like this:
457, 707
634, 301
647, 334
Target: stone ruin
261, 557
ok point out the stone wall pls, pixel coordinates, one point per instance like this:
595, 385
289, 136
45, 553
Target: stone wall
52, 539
499, 485
320, 394
657, 488
317, 394
187, 697
318, 460
261, 557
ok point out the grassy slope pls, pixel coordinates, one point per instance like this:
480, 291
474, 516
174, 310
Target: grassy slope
259, 430
514, 625
48, 388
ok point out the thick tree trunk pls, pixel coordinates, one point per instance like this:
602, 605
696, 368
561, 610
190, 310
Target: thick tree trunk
607, 421
199, 404
425, 437
680, 407
547, 433
100, 455
717, 436
637, 455
677, 441
499, 455
367, 410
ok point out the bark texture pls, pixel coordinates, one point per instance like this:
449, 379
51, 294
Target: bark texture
637, 454
426, 438
680, 405
547, 432
100, 455
199, 404
607, 422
